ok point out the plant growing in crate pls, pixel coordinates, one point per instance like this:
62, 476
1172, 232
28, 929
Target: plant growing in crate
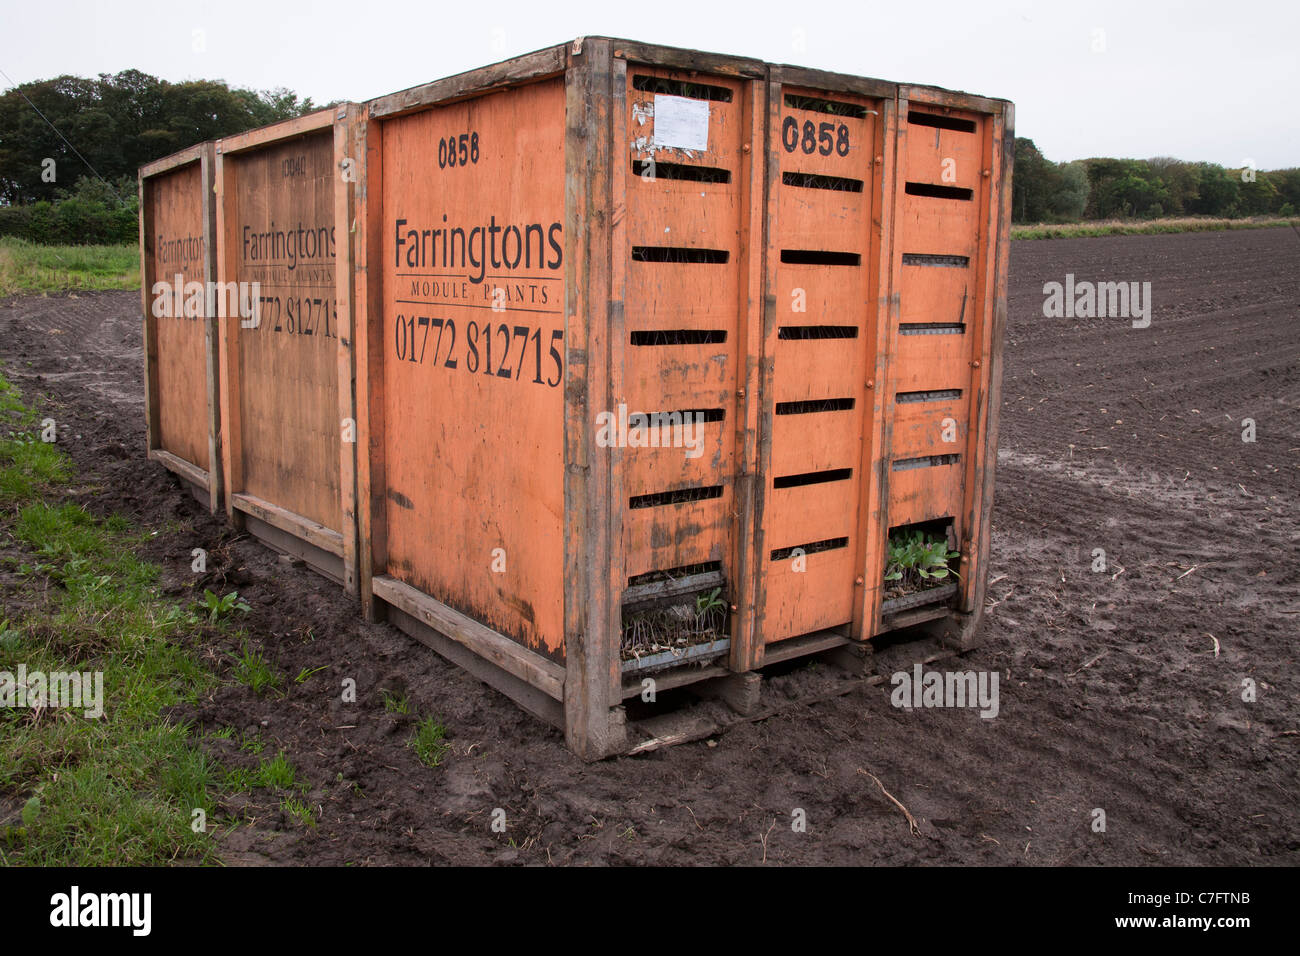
918, 562
675, 626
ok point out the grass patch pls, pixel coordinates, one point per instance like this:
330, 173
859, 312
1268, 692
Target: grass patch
78, 790
28, 268
252, 670
429, 742
1135, 227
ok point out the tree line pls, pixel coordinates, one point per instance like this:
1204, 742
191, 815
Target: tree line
1044, 191
70, 147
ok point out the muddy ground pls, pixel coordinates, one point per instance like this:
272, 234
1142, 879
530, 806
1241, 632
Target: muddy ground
1120, 689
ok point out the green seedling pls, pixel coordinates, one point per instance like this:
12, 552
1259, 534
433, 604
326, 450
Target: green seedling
429, 743
305, 674
220, 607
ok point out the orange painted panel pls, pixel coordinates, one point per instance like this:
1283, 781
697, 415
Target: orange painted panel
816, 441
472, 216
928, 147
830, 295
937, 294
177, 246
822, 219
282, 212
919, 428
704, 458
669, 212
818, 597
671, 377
682, 295
931, 362
922, 494
675, 535
937, 226
819, 368
807, 513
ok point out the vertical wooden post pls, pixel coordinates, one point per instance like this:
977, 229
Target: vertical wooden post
368, 353
1002, 155
153, 430
876, 391
228, 336
346, 170
753, 184
591, 727
211, 328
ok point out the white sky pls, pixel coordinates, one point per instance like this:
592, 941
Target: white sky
1214, 81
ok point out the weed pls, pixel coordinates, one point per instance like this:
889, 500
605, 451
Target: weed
429, 742
221, 607
396, 703
252, 670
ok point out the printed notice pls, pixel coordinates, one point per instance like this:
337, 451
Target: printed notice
681, 123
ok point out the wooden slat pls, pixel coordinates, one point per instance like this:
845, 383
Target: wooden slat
509, 655
310, 531
278, 132
190, 472
531, 67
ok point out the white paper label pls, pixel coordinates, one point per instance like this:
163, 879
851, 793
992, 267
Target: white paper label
681, 123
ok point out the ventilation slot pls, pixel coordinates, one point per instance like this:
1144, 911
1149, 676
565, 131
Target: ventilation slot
834, 107
917, 118
695, 91
678, 254
675, 419
673, 574
679, 497
812, 547
680, 337
808, 257
926, 461
817, 332
812, 478
813, 181
694, 174
809, 408
931, 328
942, 395
938, 192
943, 262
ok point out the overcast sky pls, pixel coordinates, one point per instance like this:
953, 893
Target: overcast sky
1213, 81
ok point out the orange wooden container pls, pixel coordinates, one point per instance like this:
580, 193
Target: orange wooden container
177, 260
812, 265
288, 422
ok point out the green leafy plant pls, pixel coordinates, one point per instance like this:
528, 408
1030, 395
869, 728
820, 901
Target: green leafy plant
429, 743
918, 561
219, 607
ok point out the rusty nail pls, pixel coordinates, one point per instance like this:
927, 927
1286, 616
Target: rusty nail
871, 383
975, 364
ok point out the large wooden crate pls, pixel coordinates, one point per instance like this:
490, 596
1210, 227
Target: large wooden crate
284, 195
815, 263
177, 261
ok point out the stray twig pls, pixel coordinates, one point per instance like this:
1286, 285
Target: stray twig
1216, 642
911, 820
1187, 572
765, 836
1091, 662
